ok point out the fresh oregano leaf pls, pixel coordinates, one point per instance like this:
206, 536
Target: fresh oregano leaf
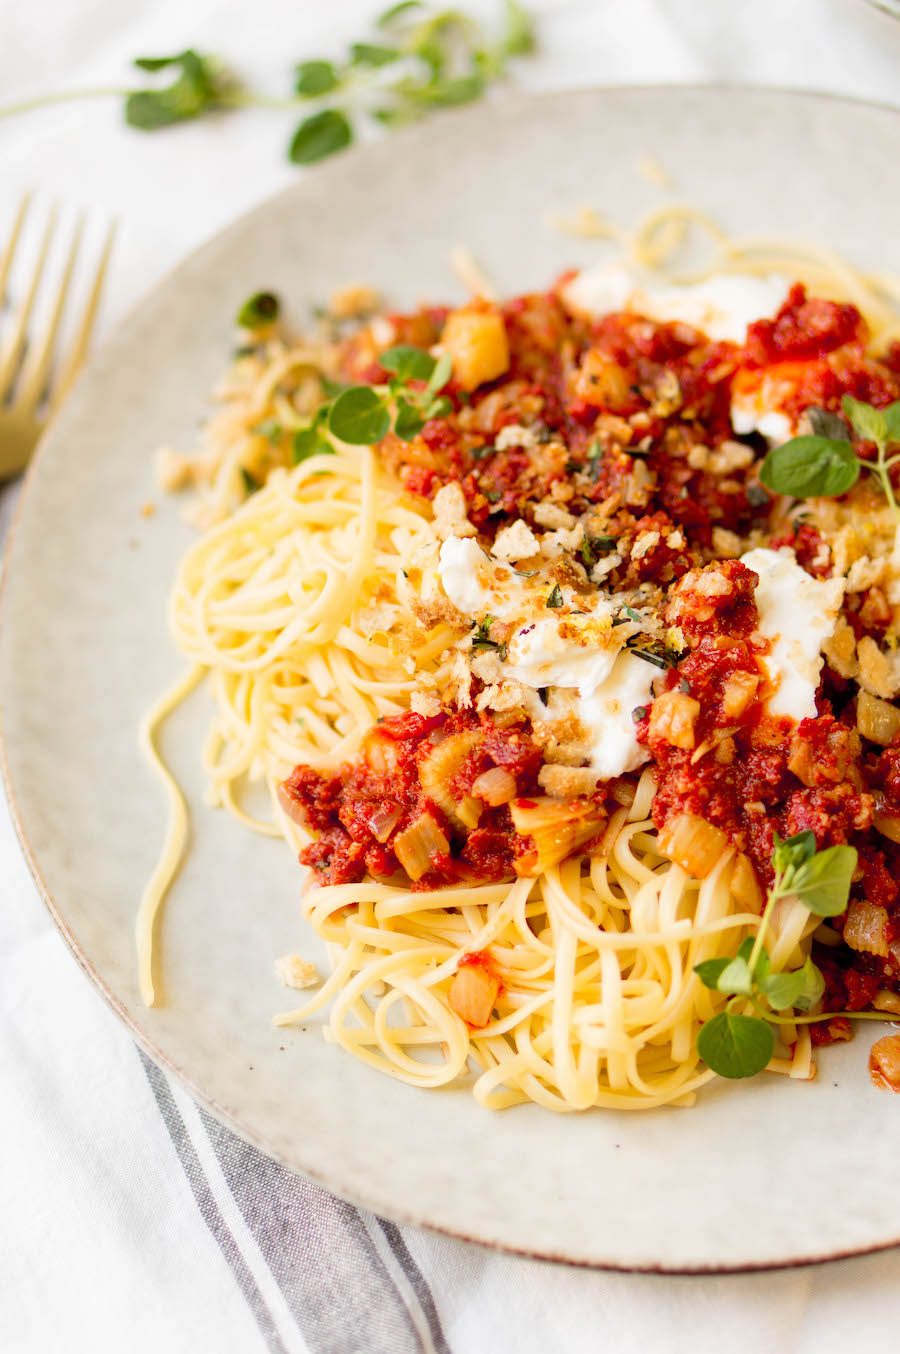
308, 442
258, 310
868, 423
814, 987
709, 971
791, 853
405, 7
359, 416
892, 421
314, 78
735, 979
409, 420
319, 136
825, 424
810, 467
822, 883
736, 1046
371, 54
443, 369
519, 36
408, 363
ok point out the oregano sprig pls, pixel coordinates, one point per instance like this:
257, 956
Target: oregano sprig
736, 1044
824, 464
362, 415
424, 59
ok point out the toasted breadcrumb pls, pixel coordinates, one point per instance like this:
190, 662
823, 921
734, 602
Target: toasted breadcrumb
295, 971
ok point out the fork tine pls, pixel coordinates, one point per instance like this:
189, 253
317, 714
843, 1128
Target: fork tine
6, 260
78, 347
34, 376
10, 361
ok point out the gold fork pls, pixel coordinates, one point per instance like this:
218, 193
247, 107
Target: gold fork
31, 385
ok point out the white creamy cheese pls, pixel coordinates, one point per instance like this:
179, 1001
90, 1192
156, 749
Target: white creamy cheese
569, 653
797, 613
607, 711
750, 414
721, 306
475, 583
538, 655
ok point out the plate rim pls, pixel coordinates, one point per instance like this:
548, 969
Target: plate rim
170, 1066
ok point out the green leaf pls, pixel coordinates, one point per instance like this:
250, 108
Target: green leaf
370, 54
197, 89
314, 78
827, 425
438, 408
736, 1046
787, 855
735, 978
405, 7
868, 423
251, 483
409, 420
556, 598
801, 988
892, 419
762, 965
709, 971
258, 310
441, 375
810, 467
359, 416
519, 37
408, 363
453, 91
814, 989
320, 136
310, 441
822, 883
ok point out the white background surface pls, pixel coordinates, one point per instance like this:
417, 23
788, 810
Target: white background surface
101, 1246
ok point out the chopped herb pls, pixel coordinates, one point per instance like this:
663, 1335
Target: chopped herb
258, 310
656, 659
251, 483
592, 547
479, 453
632, 614
756, 495
595, 451
556, 598
493, 495
481, 639
638, 713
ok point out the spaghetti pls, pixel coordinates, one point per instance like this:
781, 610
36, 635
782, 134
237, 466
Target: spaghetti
316, 610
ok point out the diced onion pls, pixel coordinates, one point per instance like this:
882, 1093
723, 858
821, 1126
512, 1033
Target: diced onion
496, 786
876, 719
417, 845
865, 928
884, 1062
557, 827
745, 886
473, 993
692, 843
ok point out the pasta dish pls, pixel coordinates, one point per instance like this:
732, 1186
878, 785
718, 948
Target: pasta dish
562, 632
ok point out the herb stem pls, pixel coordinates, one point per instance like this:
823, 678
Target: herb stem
763, 923
65, 96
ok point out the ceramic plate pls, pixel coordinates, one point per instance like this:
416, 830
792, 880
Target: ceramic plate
84, 650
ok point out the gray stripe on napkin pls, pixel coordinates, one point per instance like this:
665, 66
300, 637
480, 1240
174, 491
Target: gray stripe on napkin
419, 1284
209, 1209
333, 1280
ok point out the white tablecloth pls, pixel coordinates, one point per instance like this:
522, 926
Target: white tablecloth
128, 1219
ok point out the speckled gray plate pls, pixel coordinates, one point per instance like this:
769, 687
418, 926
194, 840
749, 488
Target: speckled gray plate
84, 650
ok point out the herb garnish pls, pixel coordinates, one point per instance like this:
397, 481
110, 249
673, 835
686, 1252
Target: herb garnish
824, 463
738, 1045
362, 415
258, 310
592, 547
556, 598
481, 639
427, 59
